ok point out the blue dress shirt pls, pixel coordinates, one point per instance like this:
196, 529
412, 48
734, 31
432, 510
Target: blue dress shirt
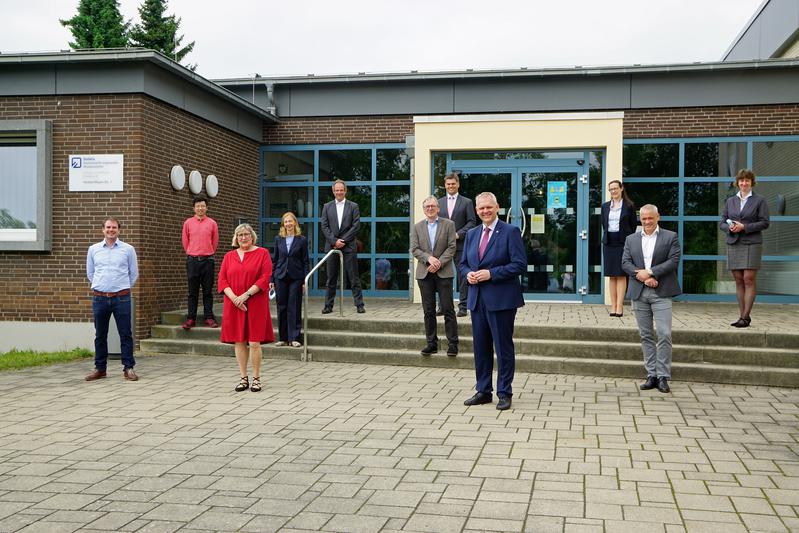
111, 268
432, 227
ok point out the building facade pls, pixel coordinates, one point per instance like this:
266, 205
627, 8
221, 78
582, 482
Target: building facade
546, 142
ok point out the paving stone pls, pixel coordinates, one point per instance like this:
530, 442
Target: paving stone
175, 511
356, 523
391, 448
435, 523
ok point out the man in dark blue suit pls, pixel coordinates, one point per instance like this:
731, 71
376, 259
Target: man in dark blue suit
493, 259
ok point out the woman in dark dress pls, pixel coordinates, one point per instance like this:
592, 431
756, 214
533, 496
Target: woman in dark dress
291, 265
618, 221
744, 218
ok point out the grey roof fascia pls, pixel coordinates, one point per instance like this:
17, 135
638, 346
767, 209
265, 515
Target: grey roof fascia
136, 55
517, 73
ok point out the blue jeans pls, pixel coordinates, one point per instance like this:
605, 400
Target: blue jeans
102, 308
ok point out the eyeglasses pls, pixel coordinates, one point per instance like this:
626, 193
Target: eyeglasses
431, 206
614, 189
240, 235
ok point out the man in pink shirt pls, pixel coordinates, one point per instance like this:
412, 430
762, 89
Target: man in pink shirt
200, 238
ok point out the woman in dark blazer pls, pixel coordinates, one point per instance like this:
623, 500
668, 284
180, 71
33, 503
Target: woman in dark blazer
744, 218
618, 221
291, 265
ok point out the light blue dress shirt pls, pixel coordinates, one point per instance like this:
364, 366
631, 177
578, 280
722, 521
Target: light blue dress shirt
289, 242
432, 228
112, 268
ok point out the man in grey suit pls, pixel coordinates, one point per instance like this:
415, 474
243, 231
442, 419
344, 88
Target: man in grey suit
340, 222
433, 245
650, 259
460, 210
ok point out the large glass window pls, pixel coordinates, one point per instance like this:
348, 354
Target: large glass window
714, 159
289, 166
25, 174
695, 179
651, 160
378, 180
18, 182
775, 158
347, 165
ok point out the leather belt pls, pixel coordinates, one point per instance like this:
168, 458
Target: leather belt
123, 292
201, 257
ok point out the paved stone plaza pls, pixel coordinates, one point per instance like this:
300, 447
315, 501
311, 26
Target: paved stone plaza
342, 447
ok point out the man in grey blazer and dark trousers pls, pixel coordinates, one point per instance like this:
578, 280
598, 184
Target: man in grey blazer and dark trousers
461, 211
433, 246
340, 222
651, 258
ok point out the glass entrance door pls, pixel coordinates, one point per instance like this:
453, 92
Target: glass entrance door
549, 205
552, 234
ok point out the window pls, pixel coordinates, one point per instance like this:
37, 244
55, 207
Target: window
25, 182
378, 177
690, 180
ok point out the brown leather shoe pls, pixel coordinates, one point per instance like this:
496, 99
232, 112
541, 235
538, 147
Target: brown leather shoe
130, 375
96, 374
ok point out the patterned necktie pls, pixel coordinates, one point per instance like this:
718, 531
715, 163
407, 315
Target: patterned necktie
483, 243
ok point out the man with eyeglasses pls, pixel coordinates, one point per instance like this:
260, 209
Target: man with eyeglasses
433, 246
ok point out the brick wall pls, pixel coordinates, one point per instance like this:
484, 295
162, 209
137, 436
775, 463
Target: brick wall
712, 121
339, 130
782, 119
152, 136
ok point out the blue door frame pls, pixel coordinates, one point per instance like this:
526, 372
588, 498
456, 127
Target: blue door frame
513, 214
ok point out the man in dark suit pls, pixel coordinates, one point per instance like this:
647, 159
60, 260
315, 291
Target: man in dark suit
433, 246
650, 259
340, 222
493, 259
460, 210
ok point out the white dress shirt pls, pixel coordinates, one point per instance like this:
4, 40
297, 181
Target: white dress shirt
614, 215
743, 199
340, 211
648, 246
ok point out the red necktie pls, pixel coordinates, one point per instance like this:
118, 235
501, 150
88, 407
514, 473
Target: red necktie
483, 243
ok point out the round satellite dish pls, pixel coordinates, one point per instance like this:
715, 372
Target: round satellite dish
195, 181
211, 186
178, 177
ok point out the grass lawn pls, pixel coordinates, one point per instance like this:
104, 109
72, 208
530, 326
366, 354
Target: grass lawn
17, 359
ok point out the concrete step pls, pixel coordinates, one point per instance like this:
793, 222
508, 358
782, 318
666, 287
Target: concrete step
681, 371
626, 351
581, 364
747, 338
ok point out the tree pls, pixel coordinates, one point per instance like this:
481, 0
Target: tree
98, 24
159, 32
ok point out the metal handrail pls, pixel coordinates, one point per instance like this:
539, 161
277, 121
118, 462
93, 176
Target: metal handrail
305, 297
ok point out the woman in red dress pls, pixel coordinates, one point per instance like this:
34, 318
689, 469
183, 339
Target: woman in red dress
244, 280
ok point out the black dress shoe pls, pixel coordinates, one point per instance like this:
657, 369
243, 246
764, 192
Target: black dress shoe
429, 350
327, 310
462, 313
742, 323
479, 399
361, 309
650, 383
663, 385
452, 351
503, 403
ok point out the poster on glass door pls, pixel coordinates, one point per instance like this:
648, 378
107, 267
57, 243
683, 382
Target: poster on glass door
556, 195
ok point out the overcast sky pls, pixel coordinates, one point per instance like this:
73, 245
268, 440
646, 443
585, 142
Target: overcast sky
236, 38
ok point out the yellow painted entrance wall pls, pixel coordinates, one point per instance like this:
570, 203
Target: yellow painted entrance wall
539, 131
